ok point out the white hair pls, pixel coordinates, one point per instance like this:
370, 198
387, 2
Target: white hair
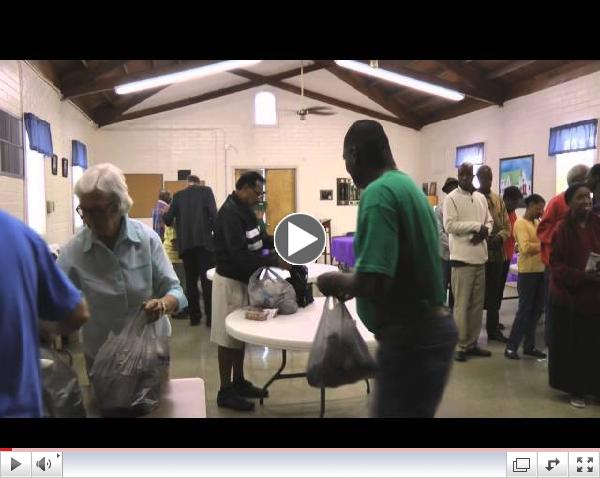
108, 178
577, 174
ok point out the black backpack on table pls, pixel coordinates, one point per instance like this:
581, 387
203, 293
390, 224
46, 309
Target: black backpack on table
299, 280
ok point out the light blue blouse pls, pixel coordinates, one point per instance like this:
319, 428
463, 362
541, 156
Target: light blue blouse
115, 283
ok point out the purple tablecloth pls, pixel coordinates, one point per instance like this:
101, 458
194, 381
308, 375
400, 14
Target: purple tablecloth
512, 277
342, 249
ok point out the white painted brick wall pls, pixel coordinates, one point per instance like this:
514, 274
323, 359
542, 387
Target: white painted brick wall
67, 123
11, 189
313, 147
521, 126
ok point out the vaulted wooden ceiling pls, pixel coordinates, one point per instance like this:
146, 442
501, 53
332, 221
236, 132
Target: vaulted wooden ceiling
90, 85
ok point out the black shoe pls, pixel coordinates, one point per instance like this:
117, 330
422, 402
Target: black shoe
497, 336
535, 353
501, 326
511, 354
248, 390
477, 352
460, 356
194, 322
229, 398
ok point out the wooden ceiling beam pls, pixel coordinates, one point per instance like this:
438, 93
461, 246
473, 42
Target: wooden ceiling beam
89, 88
385, 101
182, 103
505, 70
473, 92
488, 90
555, 76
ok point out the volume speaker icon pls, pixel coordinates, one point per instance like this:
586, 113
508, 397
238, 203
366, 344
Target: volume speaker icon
43, 463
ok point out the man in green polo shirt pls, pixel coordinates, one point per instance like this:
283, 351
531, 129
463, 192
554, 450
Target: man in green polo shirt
397, 282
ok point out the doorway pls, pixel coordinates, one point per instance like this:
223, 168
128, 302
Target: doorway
280, 194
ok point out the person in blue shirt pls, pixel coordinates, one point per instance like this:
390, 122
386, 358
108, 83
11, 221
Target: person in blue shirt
32, 287
118, 263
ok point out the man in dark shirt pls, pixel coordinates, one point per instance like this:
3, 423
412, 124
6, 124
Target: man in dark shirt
398, 279
194, 211
239, 245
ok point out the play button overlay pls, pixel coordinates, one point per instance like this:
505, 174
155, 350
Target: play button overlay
14, 464
300, 239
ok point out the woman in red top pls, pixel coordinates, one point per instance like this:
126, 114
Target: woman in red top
574, 348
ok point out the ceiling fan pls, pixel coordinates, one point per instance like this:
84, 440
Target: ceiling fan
303, 111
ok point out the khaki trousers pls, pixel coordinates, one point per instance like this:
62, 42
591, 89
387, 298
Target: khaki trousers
468, 287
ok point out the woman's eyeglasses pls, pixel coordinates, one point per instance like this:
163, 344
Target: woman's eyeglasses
94, 211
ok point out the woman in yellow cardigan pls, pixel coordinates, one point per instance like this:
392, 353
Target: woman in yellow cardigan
530, 282
169, 245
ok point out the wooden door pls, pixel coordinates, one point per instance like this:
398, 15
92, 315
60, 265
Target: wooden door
280, 196
144, 190
175, 186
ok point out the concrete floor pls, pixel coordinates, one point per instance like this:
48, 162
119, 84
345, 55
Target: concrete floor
492, 387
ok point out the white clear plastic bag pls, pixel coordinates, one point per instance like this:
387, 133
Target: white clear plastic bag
268, 290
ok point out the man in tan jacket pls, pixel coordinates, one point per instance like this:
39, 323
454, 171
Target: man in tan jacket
495, 242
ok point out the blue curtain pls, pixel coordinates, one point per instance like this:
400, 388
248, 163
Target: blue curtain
79, 154
573, 137
40, 136
472, 153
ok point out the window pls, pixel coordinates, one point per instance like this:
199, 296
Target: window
564, 162
572, 144
75, 176
265, 109
470, 153
11, 145
79, 162
36, 189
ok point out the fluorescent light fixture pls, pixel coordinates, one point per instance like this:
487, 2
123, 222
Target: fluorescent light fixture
181, 76
401, 79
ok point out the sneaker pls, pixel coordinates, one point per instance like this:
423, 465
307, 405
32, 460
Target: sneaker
460, 356
497, 336
228, 397
535, 353
246, 389
577, 402
511, 354
478, 352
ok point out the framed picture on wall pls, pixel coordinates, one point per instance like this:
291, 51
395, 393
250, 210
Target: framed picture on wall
54, 163
326, 194
517, 171
65, 167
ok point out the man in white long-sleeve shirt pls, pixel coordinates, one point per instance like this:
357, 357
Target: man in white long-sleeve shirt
468, 223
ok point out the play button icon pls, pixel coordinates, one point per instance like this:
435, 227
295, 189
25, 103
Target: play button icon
14, 464
299, 238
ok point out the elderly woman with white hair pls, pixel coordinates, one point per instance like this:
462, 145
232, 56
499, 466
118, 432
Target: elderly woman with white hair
118, 263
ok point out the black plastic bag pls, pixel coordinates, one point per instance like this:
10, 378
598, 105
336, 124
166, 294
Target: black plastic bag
339, 354
268, 290
127, 374
61, 393
299, 280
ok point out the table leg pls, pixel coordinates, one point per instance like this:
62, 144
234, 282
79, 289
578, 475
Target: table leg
279, 376
322, 414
